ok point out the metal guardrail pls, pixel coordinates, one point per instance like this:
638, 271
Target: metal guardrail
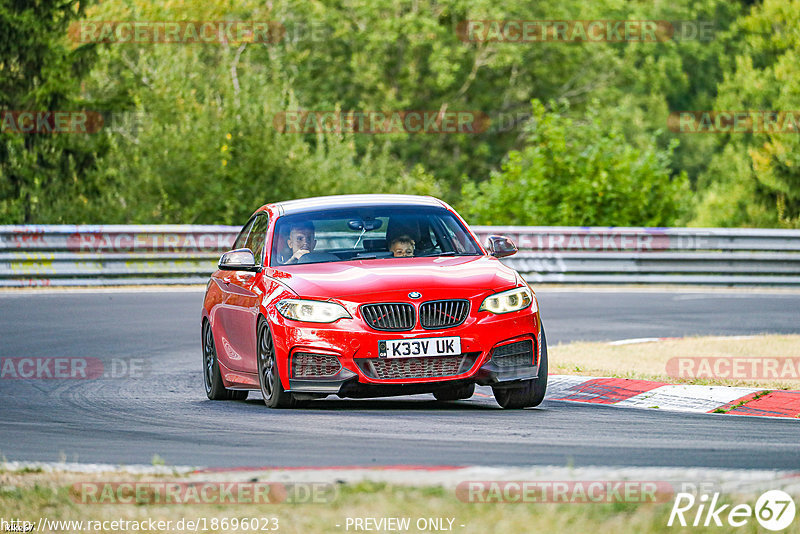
598, 255
186, 254
66, 255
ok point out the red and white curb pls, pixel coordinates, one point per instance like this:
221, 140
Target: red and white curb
679, 398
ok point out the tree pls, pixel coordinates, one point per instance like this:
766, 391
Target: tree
39, 72
172, 106
578, 173
198, 143
753, 179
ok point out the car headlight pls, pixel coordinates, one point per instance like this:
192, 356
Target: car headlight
312, 311
508, 301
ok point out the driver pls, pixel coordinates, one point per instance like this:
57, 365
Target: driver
301, 241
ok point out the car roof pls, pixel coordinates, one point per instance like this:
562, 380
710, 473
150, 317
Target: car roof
351, 201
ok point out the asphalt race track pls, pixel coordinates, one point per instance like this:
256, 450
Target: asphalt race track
163, 410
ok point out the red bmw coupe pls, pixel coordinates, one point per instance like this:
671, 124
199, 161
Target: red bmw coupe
369, 296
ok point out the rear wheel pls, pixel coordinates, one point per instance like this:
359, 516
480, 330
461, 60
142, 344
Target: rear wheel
268, 377
212, 378
531, 392
463, 391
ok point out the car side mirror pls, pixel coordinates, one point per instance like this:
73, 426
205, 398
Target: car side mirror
500, 246
241, 259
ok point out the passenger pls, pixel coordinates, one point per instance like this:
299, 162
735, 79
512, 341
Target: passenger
402, 246
301, 241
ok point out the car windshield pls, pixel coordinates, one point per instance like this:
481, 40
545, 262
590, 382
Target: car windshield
369, 233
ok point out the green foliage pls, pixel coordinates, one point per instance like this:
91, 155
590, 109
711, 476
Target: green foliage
195, 140
38, 72
572, 173
754, 179
190, 138
203, 149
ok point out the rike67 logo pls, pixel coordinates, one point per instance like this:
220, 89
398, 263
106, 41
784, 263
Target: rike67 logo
774, 510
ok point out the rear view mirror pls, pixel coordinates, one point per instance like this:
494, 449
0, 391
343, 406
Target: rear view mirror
366, 225
241, 259
500, 246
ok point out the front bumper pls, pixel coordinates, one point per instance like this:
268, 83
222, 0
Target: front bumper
355, 345
486, 375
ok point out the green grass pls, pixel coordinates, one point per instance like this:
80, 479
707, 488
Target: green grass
30, 496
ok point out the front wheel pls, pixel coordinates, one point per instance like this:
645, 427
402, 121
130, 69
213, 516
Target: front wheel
212, 378
268, 377
531, 393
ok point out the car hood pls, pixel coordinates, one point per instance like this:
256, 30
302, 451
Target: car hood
463, 274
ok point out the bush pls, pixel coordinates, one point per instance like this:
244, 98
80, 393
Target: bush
578, 173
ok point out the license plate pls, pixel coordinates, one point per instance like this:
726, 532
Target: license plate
426, 346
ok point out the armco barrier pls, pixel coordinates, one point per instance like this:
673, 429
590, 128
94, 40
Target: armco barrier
110, 255
616, 255
186, 254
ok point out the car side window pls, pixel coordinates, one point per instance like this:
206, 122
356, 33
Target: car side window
242, 237
257, 238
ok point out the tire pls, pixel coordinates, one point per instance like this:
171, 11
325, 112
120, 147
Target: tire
463, 391
531, 393
268, 376
212, 378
